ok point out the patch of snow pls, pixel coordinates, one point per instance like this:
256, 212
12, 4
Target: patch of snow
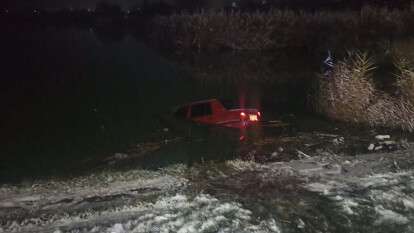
178, 213
120, 156
380, 179
389, 195
240, 165
302, 155
209, 226
320, 188
387, 215
189, 227
356, 189
30, 198
263, 227
371, 147
301, 224
272, 225
202, 213
117, 228
7, 204
348, 204
408, 204
382, 137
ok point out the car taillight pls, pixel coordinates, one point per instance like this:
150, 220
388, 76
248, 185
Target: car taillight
242, 115
259, 114
253, 118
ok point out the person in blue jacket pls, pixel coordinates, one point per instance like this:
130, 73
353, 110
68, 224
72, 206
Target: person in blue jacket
328, 65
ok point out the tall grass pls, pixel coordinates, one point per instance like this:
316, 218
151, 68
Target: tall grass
280, 29
349, 94
404, 62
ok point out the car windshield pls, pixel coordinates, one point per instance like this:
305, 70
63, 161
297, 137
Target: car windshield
229, 103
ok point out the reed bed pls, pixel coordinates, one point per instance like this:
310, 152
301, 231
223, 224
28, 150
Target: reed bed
403, 54
348, 93
280, 29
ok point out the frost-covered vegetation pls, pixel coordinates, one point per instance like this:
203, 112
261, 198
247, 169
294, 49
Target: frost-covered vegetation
313, 195
404, 62
348, 92
277, 29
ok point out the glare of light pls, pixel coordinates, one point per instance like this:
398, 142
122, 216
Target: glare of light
259, 114
242, 114
253, 118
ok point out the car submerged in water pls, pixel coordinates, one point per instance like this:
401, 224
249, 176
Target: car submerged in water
213, 112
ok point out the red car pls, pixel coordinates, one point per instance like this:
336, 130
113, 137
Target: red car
214, 113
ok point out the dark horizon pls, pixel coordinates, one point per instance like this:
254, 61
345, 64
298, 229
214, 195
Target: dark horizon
127, 4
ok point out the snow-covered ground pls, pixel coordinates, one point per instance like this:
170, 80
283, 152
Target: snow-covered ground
327, 193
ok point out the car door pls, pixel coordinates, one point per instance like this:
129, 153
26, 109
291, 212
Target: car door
202, 112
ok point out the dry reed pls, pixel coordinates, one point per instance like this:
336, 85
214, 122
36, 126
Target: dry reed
280, 29
348, 94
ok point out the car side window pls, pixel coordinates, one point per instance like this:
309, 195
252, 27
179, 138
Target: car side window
199, 110
182, 112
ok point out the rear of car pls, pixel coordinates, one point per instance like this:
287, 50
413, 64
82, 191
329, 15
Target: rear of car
213, 112
245, 116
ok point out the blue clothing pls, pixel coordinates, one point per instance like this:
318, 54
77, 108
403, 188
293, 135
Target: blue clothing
328, 64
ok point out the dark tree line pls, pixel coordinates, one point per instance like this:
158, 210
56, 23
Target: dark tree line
110, 12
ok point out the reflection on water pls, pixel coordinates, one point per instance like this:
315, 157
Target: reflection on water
74, 95
68, 96
271, 79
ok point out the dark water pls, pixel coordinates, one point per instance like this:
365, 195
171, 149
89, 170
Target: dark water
67, 96
73, 96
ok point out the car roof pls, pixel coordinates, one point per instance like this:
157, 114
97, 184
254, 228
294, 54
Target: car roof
201, 102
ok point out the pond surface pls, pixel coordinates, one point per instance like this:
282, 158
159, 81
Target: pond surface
73, 95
